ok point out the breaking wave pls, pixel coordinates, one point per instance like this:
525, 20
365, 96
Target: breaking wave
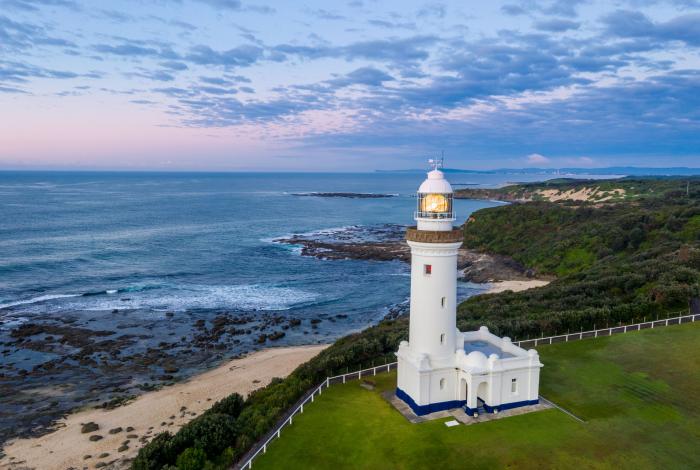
349, 234
176, 297
35, 300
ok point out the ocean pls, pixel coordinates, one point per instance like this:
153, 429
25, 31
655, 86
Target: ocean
110, 282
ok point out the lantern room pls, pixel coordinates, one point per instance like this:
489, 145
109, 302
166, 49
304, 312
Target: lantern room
435, 200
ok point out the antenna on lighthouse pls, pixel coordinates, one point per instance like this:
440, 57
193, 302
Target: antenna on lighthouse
436, 163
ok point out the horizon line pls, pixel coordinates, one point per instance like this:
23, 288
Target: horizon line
376, 170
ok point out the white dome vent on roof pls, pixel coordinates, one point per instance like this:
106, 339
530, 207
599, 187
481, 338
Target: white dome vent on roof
435, 184
477, 359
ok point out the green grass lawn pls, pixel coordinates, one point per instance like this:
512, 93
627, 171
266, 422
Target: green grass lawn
638, 392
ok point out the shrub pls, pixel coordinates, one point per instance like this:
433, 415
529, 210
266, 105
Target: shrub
231, 406
191, 459
155, 454
211, 432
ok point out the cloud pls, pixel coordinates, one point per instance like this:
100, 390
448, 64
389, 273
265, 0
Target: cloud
327, 15
563, 7
135, 48
117, 16
467, 73
17, 36
239, 56
35, 5
158, 75
513, 10
659, 115
566, 8
392, 24
224, 4
174, 65
437, 10
126, 50
634, 24
20, 72
396, 50
216, 81
537, 159
216, 90
8, 89
262, 9
557, 84
368, 76
557, 25
237, 5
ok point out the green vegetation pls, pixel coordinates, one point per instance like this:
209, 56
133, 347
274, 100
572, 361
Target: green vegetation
207, 436
225, 431
558, 239
594, 191
612, 262
637, 393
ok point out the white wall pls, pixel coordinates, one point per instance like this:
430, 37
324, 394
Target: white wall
428, 318
449, 392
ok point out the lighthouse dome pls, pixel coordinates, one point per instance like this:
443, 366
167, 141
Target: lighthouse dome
435, 184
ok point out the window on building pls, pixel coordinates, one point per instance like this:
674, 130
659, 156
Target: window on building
442, 338
514, 385
442, 384
442, 302
428, 268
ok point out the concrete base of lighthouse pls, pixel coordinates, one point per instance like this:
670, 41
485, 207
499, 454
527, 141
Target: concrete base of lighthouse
485, 371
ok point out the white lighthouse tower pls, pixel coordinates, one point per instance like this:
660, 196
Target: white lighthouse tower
440, 367
434, 246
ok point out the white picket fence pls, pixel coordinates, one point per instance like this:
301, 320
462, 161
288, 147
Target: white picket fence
372, 371
309, 398
607, 331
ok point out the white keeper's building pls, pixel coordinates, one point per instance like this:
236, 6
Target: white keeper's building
439, 367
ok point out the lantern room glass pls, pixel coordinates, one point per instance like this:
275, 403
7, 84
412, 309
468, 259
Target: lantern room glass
434, 206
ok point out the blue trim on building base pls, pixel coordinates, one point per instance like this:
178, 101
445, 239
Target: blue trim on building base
510, 406
422, 410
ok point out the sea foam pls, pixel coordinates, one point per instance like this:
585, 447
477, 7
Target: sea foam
35, 300
183, 297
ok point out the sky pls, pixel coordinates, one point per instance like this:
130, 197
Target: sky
227, 85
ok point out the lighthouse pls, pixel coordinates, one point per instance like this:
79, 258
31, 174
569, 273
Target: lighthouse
434, 246
439, 367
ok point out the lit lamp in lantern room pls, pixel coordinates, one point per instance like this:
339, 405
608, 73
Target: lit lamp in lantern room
434, 210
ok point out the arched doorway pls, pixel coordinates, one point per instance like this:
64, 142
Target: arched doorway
463, 390
482, 392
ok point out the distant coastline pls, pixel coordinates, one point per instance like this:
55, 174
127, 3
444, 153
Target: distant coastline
608, 172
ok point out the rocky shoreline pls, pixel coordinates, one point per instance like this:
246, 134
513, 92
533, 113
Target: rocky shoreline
475, 266
110, 438
55, 364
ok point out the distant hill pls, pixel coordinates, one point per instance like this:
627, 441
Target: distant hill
612, 170
570, 190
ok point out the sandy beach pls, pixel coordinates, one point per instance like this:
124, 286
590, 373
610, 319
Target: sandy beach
515, 286
128, 426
